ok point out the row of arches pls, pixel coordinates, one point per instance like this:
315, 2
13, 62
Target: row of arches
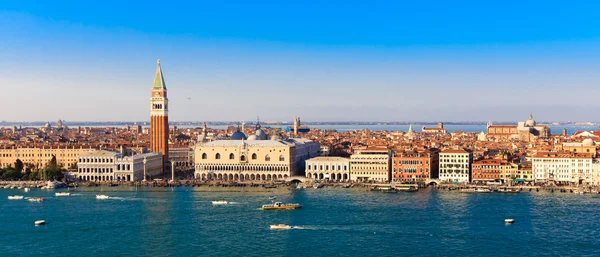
242, 177
332, 176
95, 170
95, 159
255, 168
242, 157
105, 178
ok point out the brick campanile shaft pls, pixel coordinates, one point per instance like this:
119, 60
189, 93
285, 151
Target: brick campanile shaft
159, 116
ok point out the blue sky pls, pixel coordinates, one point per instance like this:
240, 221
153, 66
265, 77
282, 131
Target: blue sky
338, 61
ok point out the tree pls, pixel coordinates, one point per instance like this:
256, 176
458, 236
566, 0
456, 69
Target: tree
19, 165
53, 164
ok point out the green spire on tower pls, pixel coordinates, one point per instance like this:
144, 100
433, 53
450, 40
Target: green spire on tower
159, 81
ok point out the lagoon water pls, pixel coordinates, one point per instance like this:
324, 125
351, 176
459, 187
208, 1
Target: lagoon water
333, 222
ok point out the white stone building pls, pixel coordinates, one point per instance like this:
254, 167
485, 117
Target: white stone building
330, 168
257, 158
455, 165
102, 165
563, 167
371, 164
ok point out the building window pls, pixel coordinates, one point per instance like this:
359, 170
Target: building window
204, 156
267, 158
254, 156
218, 156
243, 158
231, 156
281, 158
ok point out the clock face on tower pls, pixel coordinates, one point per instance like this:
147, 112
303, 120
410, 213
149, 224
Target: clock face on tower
157, 94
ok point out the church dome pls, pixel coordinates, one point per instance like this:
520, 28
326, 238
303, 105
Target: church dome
530, 122
238, 136
588, 142
260, 134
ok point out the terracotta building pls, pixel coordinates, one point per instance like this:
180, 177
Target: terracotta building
415, 165
486, 170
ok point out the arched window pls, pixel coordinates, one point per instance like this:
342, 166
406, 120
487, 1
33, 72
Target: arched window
243, 158
218, 156
267, 158
204, 156
231, 156
281, 158
254, 156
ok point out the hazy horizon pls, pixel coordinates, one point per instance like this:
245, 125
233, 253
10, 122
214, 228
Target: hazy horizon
376, 61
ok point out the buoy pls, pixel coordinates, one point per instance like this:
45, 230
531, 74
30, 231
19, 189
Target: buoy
509, 221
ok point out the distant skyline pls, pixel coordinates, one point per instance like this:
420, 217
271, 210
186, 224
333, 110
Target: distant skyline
335, 61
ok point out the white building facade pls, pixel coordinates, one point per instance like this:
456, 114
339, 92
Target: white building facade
455, 166
563, 167
102, 165
329, 168
371, 164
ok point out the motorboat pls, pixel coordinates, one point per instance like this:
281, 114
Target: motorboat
272, 197
36, 199
15, 197
475, 190
509, 190
26, 189
40, 222
281, 206
509, 221
102, 197
62, 194
219, 202
281, 226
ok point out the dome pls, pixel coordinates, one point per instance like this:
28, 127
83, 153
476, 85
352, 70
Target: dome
530, 122
252, 137
238, 136
260, 134
588, 142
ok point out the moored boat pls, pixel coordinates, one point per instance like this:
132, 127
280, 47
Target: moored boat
509, 190
281, 226
281, 206
475, 190
62, 194
219, 202
15, 197
102, 197
36, 199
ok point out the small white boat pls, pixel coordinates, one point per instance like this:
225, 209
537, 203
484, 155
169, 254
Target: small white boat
219, 202
26, 189
509, 221
102, 197
62, 194
281, 226
272, 197
40, 222
15, 197
36, 199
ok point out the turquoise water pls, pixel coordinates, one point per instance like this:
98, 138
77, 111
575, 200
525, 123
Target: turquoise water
333, 222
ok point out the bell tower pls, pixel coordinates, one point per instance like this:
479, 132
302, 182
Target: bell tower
159, 115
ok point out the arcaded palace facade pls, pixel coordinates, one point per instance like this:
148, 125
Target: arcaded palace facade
254, 157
